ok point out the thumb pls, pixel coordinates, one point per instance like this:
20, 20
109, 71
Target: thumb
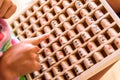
37, 40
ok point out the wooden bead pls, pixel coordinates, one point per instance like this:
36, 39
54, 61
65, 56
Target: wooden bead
32, 20
82, 52
62, 17
36, 73
28, 33
54, 23
25, 25
28, 12
60, 78
111, 32
59, 55
35, 27
47, 51
71, 34
73, 59
38, 14
55, 46
95, 29
105, 23
92, 5
18, 30
98, 56
101, 39
70, 11
64, 65
49, 16
86, 1
65, 3
89, 20
78, 4
84, 12
51, 61
67, 25
48, 76
68, 49
15, 23
21, 37
40, 57
43, 44
63, 40
51, 37
42, 2
47, 29
43, 21
53, 2
91, 46
57, 9
98, 14
88, 62
78, 69
56, 70
44, 67
108, 49
22, 18
46, 8
117, 42
35, 7
77, 43
85, 36
58, 31
74, 18
69, 75
80, 27
39, 33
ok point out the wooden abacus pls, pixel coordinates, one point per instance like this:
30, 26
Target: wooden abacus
84, 40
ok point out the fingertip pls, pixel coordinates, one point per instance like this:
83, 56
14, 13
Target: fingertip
38, 66
38, 39
47, 34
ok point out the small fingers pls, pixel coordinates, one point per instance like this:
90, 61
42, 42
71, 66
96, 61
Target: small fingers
37, 40
36, 65
1, 2
5, 6
10, 11
36, 49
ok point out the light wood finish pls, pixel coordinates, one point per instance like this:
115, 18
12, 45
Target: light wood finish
93, 67
110, 73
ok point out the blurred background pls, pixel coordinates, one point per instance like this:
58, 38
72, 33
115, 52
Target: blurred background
21, 6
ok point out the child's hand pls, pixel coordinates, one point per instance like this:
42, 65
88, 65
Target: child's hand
7, 8
1, 53
21, 58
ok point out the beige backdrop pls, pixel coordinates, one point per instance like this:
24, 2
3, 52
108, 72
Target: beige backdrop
21, 5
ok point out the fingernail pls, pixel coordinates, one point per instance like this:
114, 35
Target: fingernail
47, 34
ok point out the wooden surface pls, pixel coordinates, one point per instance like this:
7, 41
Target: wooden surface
110, 73
99, 66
